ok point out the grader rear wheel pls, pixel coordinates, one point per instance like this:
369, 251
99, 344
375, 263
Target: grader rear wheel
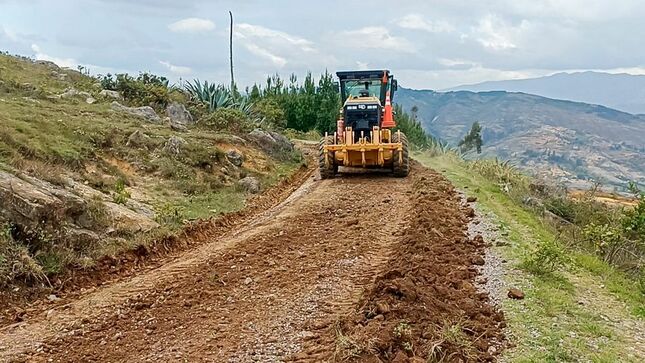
328, 169
401, 159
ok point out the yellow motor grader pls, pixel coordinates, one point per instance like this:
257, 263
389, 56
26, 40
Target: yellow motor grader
365, 136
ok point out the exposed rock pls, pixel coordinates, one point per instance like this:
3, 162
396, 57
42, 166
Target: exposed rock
90, 100
176, 125
145, 112
516, 294
231, 139
478, 260
138, 139
270, 141
174, 145
129, 221
48, 64
111, 94
73, 92
89, 193
60, 76
250, 184
37, 205
30, 202
178, 114
235, 157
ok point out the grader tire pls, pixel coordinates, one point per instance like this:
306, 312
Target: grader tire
401, 169
327, 171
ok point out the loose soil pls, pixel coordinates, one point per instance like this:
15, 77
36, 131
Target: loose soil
361, 268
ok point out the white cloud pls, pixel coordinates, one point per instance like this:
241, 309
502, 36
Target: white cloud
442, 79
375, 37
61, 62
280, 48
449, 62
178, 70
362, 65
266, 54
192, 25
418, 22
496, 34
249, 31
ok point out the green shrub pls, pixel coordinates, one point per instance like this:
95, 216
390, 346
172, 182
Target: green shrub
549, 257
605, 239
121, 195
145, 90
228, 119
169, 214
634, 219
270, 113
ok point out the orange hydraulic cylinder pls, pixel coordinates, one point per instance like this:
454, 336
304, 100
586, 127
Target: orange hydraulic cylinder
340, 129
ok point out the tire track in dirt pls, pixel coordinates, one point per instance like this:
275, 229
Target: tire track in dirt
108, 300
282, 287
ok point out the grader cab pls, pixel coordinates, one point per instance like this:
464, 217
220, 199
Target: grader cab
365, 136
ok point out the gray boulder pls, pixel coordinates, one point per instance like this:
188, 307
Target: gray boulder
74, 93
235, 157
48, 64
178, 114
138, 139
250, 184
115, 95
270, 141
174, 145
176, 126
145, 112
31, 202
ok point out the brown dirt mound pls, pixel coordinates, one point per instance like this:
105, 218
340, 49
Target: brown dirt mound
425, 305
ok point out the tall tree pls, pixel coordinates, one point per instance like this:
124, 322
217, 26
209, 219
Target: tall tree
230, 49
473, 140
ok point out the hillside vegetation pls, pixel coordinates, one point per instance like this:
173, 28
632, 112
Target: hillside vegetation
578, 262
575, 143
84, 175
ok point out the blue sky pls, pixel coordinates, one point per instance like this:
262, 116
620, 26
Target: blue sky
427, 44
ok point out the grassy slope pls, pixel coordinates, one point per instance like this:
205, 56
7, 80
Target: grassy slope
49, 138
589, 313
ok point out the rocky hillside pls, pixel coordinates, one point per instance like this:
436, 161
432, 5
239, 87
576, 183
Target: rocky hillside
625, 92
84, 175
573, 142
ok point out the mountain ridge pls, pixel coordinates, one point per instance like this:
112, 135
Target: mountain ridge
621, 91
573, 142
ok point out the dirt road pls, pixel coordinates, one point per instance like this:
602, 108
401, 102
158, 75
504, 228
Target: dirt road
364, 267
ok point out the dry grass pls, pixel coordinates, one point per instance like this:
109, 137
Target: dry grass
348, 348
15, 262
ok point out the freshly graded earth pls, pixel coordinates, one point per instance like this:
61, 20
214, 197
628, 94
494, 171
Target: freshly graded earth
364, 267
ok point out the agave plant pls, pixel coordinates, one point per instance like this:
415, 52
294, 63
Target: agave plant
215, 96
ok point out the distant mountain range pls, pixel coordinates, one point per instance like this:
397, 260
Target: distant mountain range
569, 141
623, 92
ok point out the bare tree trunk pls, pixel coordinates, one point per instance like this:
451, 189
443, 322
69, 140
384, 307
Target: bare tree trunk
230, 48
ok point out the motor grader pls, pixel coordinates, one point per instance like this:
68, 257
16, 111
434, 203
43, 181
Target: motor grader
365, 136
